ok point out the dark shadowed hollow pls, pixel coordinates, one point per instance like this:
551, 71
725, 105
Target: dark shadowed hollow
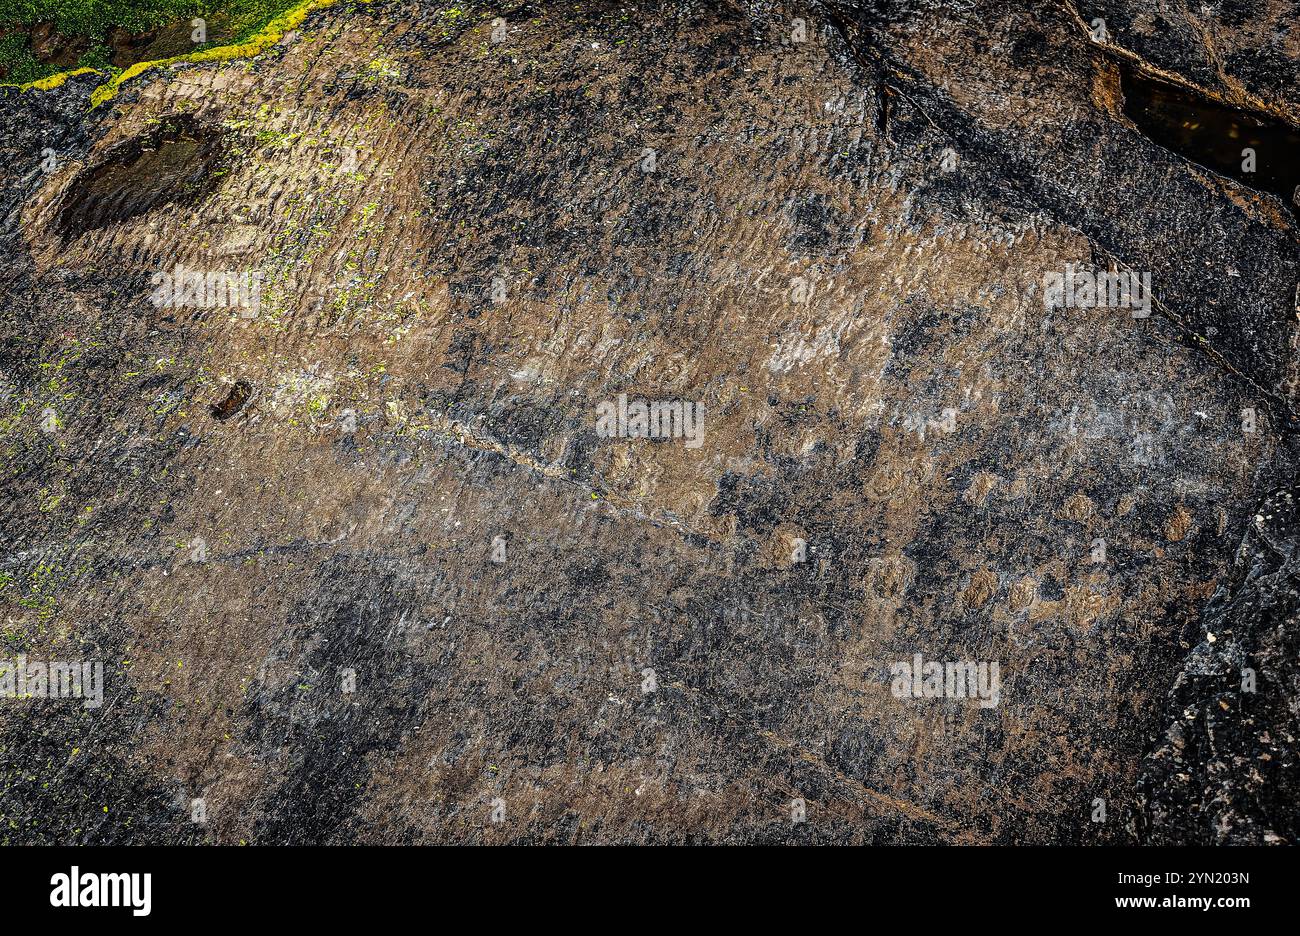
1214, 135
173, 163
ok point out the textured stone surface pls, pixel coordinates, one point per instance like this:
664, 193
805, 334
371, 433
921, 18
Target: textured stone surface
860, 315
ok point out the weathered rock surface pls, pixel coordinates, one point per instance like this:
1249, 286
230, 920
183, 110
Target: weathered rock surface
837, 246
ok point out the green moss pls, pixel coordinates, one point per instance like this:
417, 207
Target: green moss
256, 43
96, 17
229, 22
98, 57
16, 56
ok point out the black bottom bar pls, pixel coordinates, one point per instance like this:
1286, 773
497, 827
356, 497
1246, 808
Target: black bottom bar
369, 885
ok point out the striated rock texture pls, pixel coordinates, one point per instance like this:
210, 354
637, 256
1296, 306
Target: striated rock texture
360, 567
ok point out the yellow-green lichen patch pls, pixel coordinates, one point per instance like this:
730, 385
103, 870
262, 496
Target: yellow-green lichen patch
253, 45
54, 81
270, 34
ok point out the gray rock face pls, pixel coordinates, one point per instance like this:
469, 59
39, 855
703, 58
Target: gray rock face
321, 432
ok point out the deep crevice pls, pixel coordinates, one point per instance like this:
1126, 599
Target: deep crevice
1214, 135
